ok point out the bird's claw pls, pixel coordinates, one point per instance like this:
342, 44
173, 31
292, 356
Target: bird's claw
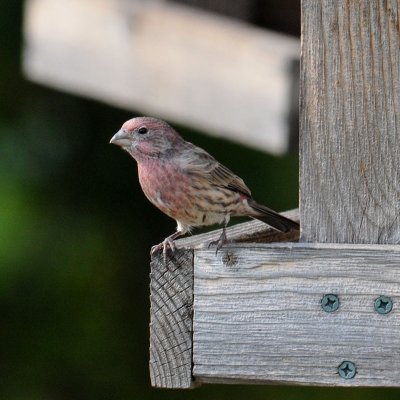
219, 242
164, 246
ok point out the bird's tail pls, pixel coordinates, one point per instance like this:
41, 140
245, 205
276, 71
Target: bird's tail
272, 218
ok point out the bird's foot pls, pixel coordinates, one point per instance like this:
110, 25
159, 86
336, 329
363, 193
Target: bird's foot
164, 246
219, 242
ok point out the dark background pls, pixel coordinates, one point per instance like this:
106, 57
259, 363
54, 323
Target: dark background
75, 235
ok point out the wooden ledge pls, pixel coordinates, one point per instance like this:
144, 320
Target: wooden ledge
171, 295
253, 314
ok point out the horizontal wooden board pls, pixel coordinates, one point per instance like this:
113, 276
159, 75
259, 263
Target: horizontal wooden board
258, 315
212, 73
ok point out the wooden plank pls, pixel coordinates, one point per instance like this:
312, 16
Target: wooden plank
218, 75
350, 121
171, 297
258, 315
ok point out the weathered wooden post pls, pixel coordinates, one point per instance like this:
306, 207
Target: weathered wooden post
350, 127
325, 310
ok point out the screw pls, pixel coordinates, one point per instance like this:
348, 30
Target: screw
347, 370
383, 304
330, 302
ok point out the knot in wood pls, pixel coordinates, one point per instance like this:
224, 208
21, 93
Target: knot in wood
229, 259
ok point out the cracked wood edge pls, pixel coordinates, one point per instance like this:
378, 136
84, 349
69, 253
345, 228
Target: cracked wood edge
171, 325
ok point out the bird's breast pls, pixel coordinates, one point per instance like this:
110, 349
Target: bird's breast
191, 199
168, 189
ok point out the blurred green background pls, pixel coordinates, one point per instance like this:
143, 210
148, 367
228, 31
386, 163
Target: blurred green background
75, 235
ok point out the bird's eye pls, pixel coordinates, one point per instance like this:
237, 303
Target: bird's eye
142, 130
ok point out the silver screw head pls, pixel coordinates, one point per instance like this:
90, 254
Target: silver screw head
383, 305
330, 302
347, 370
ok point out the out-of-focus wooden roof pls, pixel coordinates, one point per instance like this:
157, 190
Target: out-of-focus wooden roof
161, 58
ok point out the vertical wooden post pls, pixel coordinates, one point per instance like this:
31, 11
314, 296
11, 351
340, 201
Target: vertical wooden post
350, 121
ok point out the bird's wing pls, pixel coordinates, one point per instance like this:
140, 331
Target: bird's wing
197, 161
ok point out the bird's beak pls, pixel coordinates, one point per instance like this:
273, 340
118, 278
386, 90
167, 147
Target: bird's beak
121, 138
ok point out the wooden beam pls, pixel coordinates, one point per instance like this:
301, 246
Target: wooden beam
259, 318
218, 75
350, 121
171, 297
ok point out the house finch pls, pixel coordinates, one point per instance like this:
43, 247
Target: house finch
187, 183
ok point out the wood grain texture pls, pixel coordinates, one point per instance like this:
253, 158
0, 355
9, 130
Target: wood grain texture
171, 297
209, 72
258, 315
350, 121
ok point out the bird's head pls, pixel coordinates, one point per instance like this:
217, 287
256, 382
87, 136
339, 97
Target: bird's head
145, 137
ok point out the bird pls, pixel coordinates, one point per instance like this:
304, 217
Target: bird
187, 183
